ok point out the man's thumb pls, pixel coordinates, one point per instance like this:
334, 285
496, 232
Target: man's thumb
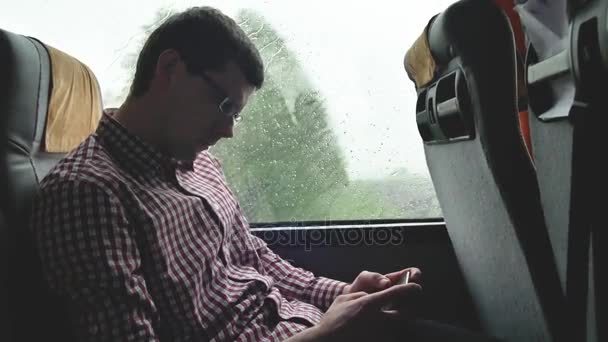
384, 282
388, 296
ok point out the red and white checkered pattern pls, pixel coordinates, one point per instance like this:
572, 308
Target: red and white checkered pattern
146, 248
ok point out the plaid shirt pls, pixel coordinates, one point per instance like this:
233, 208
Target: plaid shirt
146, 248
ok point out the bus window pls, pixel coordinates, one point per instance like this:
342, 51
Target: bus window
330, 136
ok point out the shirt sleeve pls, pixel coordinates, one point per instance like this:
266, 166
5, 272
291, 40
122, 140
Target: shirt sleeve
295, 282
90, 257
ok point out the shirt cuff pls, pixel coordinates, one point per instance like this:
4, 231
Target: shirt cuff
324, 291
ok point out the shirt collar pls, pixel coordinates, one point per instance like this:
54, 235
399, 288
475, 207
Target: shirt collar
132, 151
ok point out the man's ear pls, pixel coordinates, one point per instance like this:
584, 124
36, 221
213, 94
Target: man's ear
166, 64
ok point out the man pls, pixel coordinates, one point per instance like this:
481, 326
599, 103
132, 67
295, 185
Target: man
138, 229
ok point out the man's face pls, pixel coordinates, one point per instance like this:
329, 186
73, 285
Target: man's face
201, 107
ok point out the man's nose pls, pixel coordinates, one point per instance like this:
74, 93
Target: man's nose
227, 129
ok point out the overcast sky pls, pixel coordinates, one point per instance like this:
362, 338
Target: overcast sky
352, 51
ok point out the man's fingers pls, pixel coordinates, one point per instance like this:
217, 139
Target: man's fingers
379, 281
415, 275
393, 294
371, 280
351, 296
395, 277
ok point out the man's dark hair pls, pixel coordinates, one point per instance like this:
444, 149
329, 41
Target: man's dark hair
206, 39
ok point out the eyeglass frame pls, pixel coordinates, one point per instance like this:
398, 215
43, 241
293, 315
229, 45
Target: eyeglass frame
226, 101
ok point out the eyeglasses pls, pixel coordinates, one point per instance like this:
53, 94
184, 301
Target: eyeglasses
226, 106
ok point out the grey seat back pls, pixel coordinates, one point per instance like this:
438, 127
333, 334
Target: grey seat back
484, 179
558, 101
26, 84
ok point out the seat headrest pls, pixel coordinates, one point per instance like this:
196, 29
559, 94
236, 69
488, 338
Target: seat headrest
74, 107
50, 101
47, 106
419, 62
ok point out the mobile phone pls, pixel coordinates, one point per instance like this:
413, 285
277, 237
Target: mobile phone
405, 279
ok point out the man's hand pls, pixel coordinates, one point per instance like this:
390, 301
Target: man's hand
371, 282
400, 308
357, 316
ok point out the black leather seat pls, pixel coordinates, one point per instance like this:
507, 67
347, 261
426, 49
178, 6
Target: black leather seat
5, 318
26, 85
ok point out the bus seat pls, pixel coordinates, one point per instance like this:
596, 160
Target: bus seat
467, 115
556, 98
43, 90
5, 318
